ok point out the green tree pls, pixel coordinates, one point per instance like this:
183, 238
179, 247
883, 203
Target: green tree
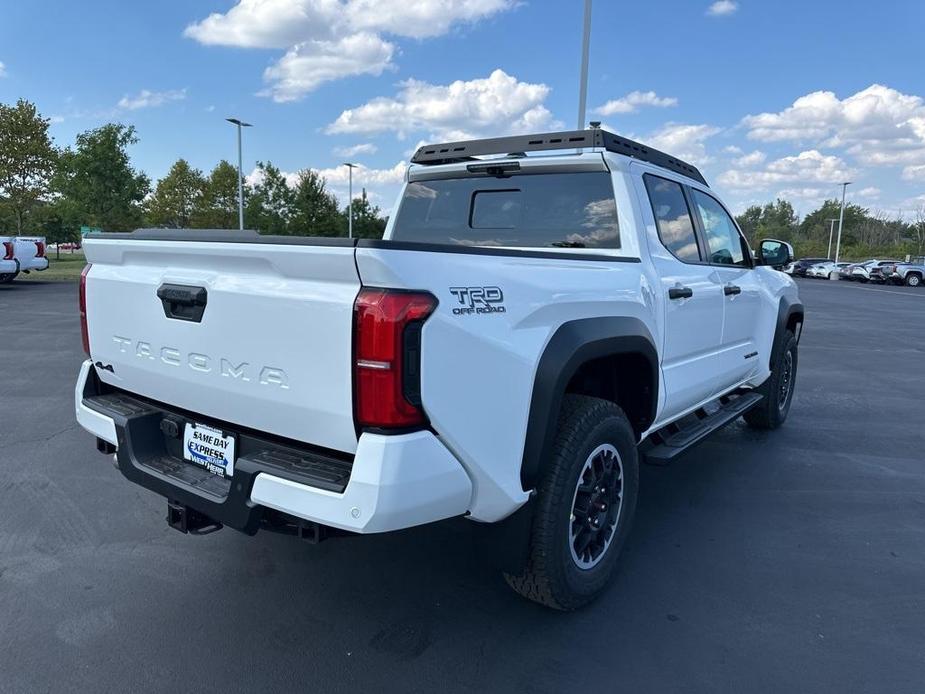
177, 197
59, 222
97, 177
776, 220
368, 222
218, 206
269, 205
314, 209
27, 160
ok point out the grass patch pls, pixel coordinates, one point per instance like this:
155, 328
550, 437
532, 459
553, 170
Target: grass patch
65, 269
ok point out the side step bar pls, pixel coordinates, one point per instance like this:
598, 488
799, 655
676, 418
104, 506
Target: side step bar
676, 438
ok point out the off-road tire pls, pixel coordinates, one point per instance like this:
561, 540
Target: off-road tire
7, 277
772, 411
913, 280
552, 576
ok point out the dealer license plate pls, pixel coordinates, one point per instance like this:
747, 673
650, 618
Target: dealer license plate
209, 448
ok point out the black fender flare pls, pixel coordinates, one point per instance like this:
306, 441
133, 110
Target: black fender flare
574, 343
787, 308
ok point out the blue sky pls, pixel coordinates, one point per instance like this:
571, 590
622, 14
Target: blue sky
768, 98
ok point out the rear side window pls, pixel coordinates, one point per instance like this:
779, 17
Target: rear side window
568, 210
673, 218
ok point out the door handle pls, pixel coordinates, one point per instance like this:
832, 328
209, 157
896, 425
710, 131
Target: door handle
731, 289
680, 293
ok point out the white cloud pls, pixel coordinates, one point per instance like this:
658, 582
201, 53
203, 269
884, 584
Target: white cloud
878, 125
810, 166
332, 39
749, 160
914, 173
722, 8
364, 148
869, 192
633, 101
308, 65
683, 141
801, 193
2, 69
148, 99
495, 104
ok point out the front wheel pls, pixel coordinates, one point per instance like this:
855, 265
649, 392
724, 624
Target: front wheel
773, 409
913, 280
585, 503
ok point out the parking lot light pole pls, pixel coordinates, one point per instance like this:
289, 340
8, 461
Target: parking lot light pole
841, 220
350, 168
828, 253
240, 124
583, 86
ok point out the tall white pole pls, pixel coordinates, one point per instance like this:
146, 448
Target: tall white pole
841, 218
240, 183
583, 88
350, 195
828, 253
240, 124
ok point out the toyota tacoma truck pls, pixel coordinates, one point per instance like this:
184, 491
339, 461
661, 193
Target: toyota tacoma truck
543, 313
21, 254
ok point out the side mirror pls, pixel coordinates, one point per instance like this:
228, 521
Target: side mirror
774, 253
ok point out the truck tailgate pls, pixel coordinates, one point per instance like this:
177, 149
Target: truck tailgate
272, 348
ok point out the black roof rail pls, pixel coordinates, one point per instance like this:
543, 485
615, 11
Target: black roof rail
466, 150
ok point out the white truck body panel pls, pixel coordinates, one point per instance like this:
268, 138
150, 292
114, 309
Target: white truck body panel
26, 253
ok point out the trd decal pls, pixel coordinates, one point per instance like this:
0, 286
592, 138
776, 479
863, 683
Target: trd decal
476, 300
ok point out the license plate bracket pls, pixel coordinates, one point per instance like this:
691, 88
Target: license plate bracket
210, 448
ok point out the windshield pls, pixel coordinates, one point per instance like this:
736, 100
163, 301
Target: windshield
567, 210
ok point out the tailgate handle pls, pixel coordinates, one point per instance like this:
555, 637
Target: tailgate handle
183, 302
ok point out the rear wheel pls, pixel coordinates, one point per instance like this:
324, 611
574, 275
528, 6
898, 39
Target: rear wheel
913, 280
7, 277
584, 506
773, 409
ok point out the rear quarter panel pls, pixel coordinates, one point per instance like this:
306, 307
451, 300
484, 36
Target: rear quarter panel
478, 369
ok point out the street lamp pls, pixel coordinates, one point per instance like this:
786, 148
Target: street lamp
828, 253
841, 220
240, 124
350, 168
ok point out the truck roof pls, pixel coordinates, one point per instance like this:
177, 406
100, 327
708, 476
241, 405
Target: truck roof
468, 150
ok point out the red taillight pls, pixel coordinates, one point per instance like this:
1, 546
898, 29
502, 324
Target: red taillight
82, 302
386, 348
39, 249
8, 250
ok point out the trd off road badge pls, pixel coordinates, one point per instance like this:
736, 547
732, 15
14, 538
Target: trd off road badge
476, 300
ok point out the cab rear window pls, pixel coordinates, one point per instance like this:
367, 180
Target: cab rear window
568, 210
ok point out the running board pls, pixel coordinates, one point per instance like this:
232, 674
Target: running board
674, 439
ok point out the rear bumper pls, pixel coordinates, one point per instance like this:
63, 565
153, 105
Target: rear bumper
35, 265
392, 482
9, 267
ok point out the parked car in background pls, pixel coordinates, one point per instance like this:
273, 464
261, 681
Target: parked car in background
30, 252
21, 254
875, 271
9, 266
911, 273
799, 267
823, 270
861, 272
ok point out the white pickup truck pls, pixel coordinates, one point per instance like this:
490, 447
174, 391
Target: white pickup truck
533, 324
21, 254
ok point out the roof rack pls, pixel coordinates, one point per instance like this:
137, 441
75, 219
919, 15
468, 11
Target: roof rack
451, 152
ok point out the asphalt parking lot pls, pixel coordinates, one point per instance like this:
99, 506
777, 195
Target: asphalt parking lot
760, 562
